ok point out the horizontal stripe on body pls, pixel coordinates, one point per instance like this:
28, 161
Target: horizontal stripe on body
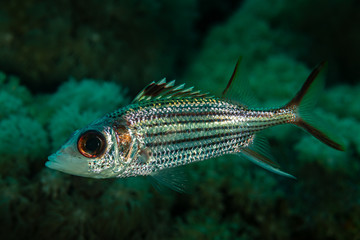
182, 155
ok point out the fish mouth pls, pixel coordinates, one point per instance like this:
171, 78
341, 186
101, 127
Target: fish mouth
52, 163
63, 162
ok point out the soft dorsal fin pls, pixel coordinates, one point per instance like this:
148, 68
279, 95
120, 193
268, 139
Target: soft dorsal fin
167, 90
239, 93
232, 78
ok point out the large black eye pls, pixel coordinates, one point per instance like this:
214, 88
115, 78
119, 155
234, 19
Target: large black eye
91, 144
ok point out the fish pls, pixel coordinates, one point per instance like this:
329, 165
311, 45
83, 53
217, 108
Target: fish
168, 125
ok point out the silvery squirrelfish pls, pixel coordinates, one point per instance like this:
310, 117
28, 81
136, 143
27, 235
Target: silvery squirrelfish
168, 126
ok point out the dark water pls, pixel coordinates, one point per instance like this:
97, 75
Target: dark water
64, 64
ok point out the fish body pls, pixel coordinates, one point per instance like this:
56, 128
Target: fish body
171, 133
167, 126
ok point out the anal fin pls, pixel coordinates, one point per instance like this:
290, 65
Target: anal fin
258, 153
264, 162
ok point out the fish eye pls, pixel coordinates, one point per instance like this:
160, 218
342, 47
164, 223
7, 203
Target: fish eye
91, 144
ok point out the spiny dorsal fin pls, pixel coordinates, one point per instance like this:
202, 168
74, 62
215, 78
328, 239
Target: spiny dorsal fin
164, 90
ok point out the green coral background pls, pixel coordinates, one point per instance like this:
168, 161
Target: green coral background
53, 53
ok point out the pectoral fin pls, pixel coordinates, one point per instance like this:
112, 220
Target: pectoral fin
172, 178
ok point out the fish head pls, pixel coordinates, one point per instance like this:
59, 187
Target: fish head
98, 150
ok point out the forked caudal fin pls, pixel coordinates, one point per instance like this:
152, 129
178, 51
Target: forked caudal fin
304, 101
300, 105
